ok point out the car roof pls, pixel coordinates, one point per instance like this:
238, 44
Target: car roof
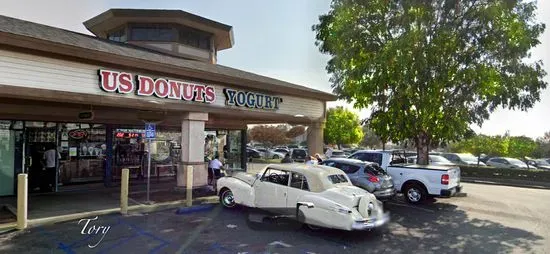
350, 161
316, 175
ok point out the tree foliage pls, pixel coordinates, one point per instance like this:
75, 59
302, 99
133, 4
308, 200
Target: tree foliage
269, 135
342, 127
430, 69
543, 146
296, 131
509, 146
370, 139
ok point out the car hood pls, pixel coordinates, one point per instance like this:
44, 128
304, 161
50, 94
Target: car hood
348, 196
243, 176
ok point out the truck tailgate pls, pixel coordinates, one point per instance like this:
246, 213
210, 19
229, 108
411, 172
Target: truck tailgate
454, 177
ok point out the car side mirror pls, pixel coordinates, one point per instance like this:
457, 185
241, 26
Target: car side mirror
307, 204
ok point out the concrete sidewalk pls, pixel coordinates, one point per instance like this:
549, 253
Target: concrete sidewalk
88, 201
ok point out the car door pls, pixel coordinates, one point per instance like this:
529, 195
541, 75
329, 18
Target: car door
298, 187
271, 191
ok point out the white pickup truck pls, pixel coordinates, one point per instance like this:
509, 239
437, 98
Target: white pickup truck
416, 182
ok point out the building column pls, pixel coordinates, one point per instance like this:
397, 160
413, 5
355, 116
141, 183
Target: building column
315, 142
192, 149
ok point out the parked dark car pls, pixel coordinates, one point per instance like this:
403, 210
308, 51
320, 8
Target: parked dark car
252, 153
298, 155
539, 163
366, 175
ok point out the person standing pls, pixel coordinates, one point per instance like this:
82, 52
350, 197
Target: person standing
214, 170
311, 161
319, 159
287, 159
51, 155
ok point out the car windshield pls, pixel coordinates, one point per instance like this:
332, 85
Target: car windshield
300, 152
467, 157
516, 162
374, 169
337, 179
337, 153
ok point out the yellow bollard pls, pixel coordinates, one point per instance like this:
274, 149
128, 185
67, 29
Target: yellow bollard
124, 183
22, 201
189, 185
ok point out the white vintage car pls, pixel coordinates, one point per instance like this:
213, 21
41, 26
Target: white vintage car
318, 196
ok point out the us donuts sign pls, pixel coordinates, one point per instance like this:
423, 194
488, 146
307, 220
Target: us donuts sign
126, 83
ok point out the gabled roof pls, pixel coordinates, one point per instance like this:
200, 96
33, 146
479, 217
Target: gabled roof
29, 36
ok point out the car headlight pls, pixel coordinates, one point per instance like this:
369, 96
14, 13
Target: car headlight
370, 208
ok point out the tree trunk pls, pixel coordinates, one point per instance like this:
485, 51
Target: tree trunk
422, 149
384, 146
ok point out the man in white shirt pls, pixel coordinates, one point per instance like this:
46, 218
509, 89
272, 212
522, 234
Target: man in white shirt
50, 160
214, 169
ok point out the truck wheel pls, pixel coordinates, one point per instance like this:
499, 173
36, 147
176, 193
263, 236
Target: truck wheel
415, 193
227, 199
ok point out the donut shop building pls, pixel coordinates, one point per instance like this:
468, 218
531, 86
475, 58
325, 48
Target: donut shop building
90, 97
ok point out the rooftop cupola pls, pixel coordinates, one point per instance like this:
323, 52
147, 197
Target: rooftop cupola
174, 32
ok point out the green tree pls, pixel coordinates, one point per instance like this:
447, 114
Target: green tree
342, 127
430, 69
521, 146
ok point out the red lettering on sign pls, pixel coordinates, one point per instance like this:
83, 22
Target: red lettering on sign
162, 89
146, 86
209, 94
188, 92
125, 83
78, 134
107, 81
199, 93
175, 90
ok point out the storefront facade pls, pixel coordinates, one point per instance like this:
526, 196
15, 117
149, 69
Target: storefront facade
90, 98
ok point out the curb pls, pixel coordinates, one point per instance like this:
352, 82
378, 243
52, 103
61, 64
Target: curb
489, 181
135, 208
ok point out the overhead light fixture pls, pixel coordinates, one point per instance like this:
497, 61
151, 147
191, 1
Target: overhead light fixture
299, 116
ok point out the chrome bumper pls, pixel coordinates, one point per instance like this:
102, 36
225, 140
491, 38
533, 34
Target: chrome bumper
371, 223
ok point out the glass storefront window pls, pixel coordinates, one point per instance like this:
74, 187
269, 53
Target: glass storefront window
7, 153
83, 149
226, 144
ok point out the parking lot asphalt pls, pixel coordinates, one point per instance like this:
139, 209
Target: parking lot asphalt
489, 219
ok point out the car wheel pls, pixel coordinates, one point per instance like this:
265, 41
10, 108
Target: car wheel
275, 157
415, 193
227, 199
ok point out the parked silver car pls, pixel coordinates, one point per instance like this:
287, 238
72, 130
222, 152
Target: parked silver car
366, 175
505, 162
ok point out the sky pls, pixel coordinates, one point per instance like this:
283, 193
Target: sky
274, 38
